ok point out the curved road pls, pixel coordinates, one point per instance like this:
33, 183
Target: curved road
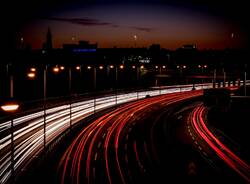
111, 150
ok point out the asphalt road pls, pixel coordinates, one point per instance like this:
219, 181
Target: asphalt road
154, 140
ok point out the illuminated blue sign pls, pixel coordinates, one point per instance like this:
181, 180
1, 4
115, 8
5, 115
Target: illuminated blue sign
84, 50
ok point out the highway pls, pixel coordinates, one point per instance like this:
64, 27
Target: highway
116, 147
29, 136
209, 144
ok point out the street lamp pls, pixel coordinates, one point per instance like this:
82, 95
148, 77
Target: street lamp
11, 107
56, 69
31, 75
121, 66
33, 69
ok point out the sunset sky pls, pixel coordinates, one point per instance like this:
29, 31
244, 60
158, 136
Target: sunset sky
114, 23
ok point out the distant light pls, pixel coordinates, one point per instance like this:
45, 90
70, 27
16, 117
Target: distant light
142, 67
33, 69
184, 66
164, 66
121, 66
31, 75
205, 66
232, 35
78, 67
135, 37
178, 66
199, 66
156, 67
88, 67
133, 67
21, 39
10, 107
100, 67
62, 67
111, 66
56, 69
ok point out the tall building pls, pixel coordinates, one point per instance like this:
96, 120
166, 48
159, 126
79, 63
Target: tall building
48, 44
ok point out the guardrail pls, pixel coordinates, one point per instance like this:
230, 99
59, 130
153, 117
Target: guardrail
27, 136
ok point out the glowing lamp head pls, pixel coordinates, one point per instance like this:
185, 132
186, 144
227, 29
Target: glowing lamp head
142, 67
10, 106
111, 66
31, 75
62, 67
133, 67
163, 66
33, 69
156, 67
121, 66
88, 67
78, 67
56, 69
100, 67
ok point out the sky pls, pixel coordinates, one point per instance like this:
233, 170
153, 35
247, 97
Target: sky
115, 23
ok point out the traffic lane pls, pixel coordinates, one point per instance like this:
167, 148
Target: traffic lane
90, 149
205, 139
136, 149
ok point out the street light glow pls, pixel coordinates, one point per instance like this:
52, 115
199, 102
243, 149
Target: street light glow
156, 66
205, 66
33, 69
111, 66
164, 66
184, 66
31, 75
10, 107
133, 66
62, 67
56, 69
88, 67
199, 66
121, 66
78, 67
142, 67
100, 67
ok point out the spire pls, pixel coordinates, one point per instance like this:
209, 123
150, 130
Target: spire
49, 40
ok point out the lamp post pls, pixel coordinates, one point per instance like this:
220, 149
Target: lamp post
245, 80
70, 90
214, 78
10, 107
44, 104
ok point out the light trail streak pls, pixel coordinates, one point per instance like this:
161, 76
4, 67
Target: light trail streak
232, 160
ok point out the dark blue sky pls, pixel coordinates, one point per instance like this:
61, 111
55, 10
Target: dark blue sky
208, 24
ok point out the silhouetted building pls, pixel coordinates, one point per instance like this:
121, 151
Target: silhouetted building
48, 44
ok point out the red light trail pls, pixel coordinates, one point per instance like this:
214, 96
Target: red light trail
231, 159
